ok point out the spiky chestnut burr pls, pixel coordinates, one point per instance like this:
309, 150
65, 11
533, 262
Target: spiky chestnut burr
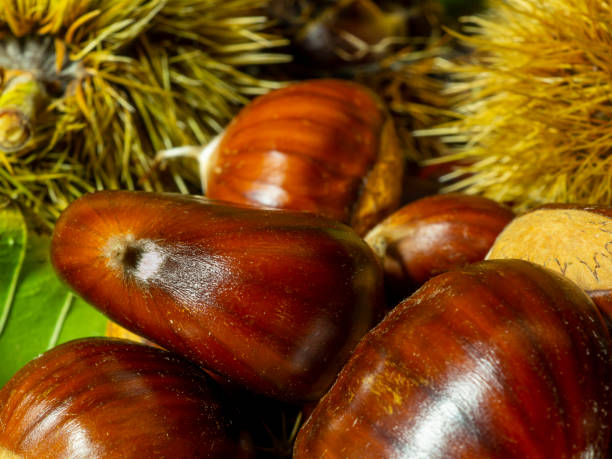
92, 89
534, 123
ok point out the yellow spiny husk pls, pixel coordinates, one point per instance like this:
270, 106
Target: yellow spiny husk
413, 95
135, 77
409, 80
535, 125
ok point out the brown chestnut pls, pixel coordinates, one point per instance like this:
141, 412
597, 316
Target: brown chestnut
503, 358
435, 234
325, 146
105, 398
352, 33
270, 299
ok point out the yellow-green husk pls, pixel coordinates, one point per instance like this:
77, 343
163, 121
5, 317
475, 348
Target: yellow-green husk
146, 75
409, 79
535, 125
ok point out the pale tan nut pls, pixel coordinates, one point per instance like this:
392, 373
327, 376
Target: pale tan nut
572, 239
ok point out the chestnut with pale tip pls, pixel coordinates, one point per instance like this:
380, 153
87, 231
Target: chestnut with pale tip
435, 234
102, 398
273, 300
500, 359
326, 146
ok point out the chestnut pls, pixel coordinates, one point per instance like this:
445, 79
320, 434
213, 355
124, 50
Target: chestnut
434, 234
502, 358
572, 239
326, 146
272, 300
353, 33
106, 398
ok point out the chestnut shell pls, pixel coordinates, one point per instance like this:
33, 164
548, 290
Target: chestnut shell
105, 398
503, 358
325, 146
433, 235
273, 300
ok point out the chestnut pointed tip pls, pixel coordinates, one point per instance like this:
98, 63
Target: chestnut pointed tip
271, 299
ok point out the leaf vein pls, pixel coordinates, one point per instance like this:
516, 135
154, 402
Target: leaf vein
59, 324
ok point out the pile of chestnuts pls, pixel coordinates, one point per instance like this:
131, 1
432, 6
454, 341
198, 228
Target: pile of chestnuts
301, 277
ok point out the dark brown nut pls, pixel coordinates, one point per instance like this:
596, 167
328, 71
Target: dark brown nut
433, 235
503, 358
105, 398
270, 299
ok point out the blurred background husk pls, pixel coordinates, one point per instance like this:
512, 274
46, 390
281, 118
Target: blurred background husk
532, 103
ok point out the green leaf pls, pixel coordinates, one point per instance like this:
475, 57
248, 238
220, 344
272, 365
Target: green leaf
13, 237
40, 311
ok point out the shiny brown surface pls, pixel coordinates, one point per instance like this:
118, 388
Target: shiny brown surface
603, 300
310, 146
104, 398
273, 300
499, 359
435, 234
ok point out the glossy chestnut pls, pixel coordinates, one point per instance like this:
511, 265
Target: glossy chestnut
503, 358
326, 146
435, 234
271, 299
104, 398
